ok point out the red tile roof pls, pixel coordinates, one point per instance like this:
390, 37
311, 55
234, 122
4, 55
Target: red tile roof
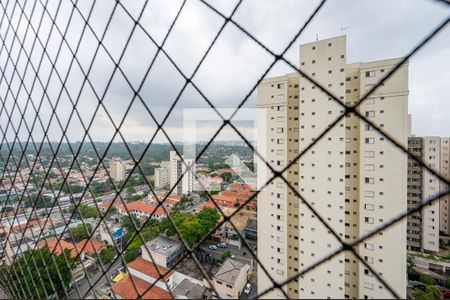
132, 287
91, 245
144, 207
148, 268
60, 247
106, 204
209, 204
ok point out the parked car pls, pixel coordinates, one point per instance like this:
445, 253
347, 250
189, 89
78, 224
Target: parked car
446, 294
222, 245
248, 288
212, 247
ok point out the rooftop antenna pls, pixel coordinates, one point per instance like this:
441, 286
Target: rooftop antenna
343, 29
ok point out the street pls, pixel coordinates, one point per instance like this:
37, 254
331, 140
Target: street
83, 284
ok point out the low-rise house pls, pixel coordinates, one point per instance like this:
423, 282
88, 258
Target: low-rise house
140, 209
188, 289
209, 204
232, 234
164, 251
144, 273
58, 246
230, 279
135, 288
90, 246
251, 229
169, 202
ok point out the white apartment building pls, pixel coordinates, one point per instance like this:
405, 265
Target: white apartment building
117, 170
353, 176
425, 227
162, 175
176, 169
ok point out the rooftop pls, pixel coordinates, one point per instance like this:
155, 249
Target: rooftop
89, 248
60, 246
252, 224
164, 245
189, 290
133, 288
148, 268
230, 270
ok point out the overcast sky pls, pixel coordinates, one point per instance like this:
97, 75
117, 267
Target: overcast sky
375, 30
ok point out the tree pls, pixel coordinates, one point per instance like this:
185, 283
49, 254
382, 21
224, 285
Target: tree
81, 231
84, 211
42, 261
427, 279
447, 283
226, 254
130, 223
192, 228
41, 201
130, 255
430, 293
131, 190
209, 216
106, 255
227, 177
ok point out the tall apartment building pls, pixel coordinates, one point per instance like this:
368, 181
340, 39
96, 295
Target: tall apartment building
162, 175
353, 177
426, 226
176, 169
117, 170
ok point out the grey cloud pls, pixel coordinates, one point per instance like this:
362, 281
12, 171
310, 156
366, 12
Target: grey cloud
378, 30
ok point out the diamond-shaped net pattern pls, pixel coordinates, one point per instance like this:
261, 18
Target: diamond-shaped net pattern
49, 65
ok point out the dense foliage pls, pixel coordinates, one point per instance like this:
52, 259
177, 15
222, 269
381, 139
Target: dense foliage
84, 210
430, 293
45, 269
80, 232
192, 227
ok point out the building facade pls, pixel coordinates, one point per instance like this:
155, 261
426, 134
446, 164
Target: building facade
117, 170
427, 226
162, 175
176, 169
353, 176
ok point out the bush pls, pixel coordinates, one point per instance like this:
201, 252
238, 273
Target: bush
226, 254
427, 279
130, 255
430, 293
447, 283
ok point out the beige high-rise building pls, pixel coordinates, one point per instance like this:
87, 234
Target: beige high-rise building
117, 170
162, 175
353, 177
425, 227
176, 168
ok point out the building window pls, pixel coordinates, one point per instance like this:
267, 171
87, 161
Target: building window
369, 154
369, 140
368, 206
370, 113
369, 180
370, 74
369, 194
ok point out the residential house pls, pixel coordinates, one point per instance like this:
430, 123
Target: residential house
164, 251
230, 279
